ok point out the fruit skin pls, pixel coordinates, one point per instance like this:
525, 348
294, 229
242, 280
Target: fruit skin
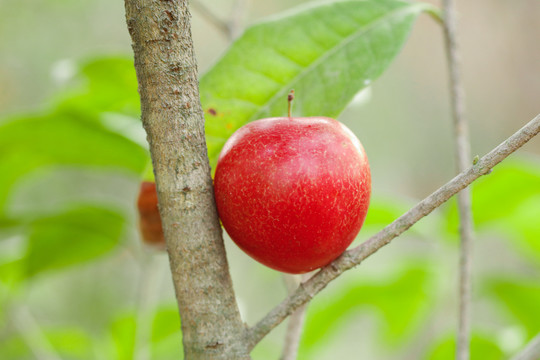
149, 218
293, 193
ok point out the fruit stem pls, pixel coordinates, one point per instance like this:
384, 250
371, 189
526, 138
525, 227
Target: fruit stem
290, 99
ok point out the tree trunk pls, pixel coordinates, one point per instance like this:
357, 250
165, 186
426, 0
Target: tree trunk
173, 119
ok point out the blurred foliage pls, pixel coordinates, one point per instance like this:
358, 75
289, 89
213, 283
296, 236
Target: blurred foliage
69, 176
396, 320
66, 343
120, 343
326, 53
519, 299
508, 201
123, 331
482, 347
70, 133
81, 234
166, 338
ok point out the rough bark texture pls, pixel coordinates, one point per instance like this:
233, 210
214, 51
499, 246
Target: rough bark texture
355, 256
173, 119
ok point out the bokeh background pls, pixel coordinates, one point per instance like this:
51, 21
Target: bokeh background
91, 290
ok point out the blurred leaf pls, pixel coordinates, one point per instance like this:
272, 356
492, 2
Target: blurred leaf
520, 299
7, 225
71, 237
71, 343
65, 343
384, 211
14, 347
33, 142
525, 220
109, 84
169, 348
166, 323
499, 194
11, 272
166, 334
123, 332
401, 302
508, 201
126, 126
482, 348
327, 53
50, 190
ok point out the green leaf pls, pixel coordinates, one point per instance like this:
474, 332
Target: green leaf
66, 343
107, 85
384, 211
505, 189
56, 188
398, 318
169, 348
123, 331
327, 53
525, 222
11, 273
30, 143
71, 343
71, 237
500, 193
508, 201
482, 348
166, 334
13, 346
520, 299
166, 323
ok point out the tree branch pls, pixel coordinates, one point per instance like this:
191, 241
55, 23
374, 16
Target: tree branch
296, 321
237, 17
531, 351
173, 119
463, 160
32, 334
355, 256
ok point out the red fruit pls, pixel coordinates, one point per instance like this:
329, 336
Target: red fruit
293, 193
149, 219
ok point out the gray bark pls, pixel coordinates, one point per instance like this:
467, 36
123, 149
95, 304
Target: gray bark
173, 119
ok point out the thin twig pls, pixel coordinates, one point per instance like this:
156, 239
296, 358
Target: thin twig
32, 334
212, 18
296, 321
355, 256
531, 351
236, 19
294, 333
463, 159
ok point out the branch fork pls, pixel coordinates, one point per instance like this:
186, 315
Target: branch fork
355, 256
